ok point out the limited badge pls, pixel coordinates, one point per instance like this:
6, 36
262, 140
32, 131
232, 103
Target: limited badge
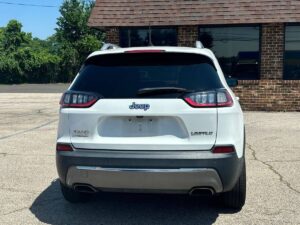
202, 133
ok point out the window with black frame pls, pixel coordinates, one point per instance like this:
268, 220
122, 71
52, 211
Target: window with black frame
237, 49
292, 53
153, 36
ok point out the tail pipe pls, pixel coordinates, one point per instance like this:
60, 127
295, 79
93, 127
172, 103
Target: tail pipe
86, 188
200, 191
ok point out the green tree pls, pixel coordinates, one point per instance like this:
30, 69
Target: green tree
11, 41
1, 37
58, 58
23, 59
13, 37
74, 39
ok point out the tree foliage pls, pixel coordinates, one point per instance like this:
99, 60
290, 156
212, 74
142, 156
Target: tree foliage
56, 59
13, 37
75, 39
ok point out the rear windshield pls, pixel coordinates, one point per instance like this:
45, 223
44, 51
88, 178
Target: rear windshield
123, 75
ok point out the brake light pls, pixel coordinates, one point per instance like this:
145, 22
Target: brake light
145, 51
63, 147
77, 100
218, 98
223, 149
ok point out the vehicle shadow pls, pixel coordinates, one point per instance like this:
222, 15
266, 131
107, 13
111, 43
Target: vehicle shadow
114, 208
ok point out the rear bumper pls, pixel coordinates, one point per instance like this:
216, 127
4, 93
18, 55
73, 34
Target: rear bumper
149, 171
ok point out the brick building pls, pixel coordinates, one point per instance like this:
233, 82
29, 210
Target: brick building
256, 41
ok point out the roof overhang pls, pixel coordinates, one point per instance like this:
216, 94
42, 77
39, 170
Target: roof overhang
134, 13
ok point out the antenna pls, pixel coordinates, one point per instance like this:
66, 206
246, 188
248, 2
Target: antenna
150, 35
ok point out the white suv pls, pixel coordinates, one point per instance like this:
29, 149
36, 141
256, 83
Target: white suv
151, 119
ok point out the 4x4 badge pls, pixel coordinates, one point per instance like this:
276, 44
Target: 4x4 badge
144, 107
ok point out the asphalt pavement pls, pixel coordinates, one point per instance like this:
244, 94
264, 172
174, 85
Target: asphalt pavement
30, 194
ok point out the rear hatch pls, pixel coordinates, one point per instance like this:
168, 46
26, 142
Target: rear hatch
141, 102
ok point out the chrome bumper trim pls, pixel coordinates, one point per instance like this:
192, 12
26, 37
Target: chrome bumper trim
148, 179
182, 170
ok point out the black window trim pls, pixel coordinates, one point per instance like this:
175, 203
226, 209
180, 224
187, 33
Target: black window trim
240, 25
284, 44
147, 27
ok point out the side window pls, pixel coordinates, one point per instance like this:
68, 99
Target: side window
292, 53
157, 36
237, 49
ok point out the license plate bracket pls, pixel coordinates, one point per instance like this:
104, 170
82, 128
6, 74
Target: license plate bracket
140, 126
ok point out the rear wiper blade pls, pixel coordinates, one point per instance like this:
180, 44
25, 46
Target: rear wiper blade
162, 90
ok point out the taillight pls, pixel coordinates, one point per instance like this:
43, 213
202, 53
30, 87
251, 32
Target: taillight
224, 99
223, 149
63, 147
218, 98
77, 100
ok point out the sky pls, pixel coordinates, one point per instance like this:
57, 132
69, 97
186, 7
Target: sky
40, 21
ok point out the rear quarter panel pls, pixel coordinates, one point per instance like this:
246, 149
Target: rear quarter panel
231, 128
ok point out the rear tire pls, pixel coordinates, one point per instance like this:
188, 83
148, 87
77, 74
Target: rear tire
73, 196
237, 196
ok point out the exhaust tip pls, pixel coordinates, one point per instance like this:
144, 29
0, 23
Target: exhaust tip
86, 188
202, 191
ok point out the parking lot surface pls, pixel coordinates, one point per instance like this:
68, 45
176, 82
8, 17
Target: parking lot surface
29, 190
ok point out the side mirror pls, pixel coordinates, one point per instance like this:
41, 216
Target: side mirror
232, 82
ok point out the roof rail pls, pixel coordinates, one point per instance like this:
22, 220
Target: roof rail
199, 44
108, 46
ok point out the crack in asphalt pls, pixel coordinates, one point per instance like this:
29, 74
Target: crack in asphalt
17, 190
43, 112
28, 130
28, 207
276, 213
16, 210
253, 123
283, 221
4, 154
275, 161
281, 178
28, 120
